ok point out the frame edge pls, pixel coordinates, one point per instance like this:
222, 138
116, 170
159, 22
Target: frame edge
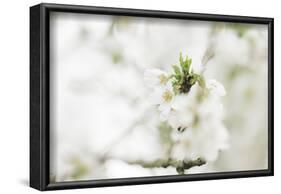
34, 83
85, 9
271, 96
37, 107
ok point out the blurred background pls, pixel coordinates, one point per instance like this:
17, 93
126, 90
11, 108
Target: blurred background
100, 117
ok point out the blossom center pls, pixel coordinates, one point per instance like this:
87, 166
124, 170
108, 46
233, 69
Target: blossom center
163, 79
167, 96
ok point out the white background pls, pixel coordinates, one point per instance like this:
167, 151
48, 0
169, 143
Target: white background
14, 95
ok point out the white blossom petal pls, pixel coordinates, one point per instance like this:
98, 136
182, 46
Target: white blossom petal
154, 77
215, 87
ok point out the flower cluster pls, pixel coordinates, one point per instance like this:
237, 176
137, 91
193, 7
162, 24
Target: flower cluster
192, 106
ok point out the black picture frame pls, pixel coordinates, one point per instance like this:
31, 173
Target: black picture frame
39, 95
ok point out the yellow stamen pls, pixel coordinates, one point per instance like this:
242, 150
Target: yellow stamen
167, 96
163, 79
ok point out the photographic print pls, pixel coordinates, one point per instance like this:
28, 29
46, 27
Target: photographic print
137, 97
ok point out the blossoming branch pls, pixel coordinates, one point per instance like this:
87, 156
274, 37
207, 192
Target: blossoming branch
191, 105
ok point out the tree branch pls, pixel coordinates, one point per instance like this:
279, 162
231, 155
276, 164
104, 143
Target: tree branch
180, 165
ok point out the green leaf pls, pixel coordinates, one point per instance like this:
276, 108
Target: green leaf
181, 59
185, 64
176, 70
178, 77
189, 61
201, 81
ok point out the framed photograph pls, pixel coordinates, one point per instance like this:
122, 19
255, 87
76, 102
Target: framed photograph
126, 96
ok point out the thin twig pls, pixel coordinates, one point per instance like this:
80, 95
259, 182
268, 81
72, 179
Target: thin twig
180, 165
210, 51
